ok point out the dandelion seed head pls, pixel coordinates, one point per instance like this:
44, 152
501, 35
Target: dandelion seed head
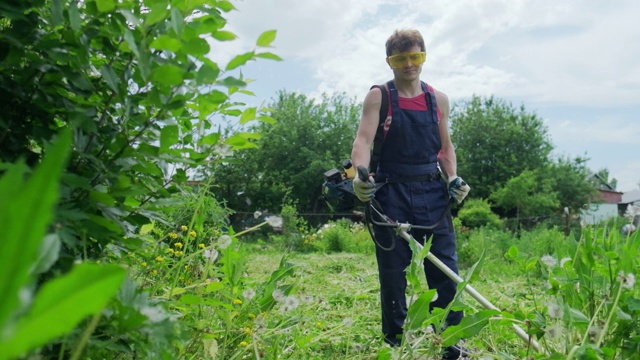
211, 254
224, 241
555, 310
627, 280
347, 321
249, 294
549, 260
257, 214
290, 303
554, 332
278, 295
274, 221
564, 261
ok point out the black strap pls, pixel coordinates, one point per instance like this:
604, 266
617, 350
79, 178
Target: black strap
408, 179
377, 141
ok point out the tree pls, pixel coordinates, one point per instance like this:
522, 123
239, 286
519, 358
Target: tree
308, 139
496, 142
571, 182
529, 194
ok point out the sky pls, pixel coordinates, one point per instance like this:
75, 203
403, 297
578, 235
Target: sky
574, 63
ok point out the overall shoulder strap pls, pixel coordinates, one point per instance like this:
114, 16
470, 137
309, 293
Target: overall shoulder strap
377, 141
430, 95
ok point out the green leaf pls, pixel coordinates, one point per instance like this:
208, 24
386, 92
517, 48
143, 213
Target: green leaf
208, 73
131, 42
222, 35
211, 139
49, 252
240, 60
247, 115
57, 15
268, 55
166, 42
169, 136
25, 214
230, 81
74, 16
225, 6
197, 47
106, 5
110, 77
170, 75
239, 142
158, 13
419, 311
468, 327
62, 303
266, 38
267, 119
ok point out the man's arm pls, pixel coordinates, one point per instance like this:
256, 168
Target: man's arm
447, 155
361, 152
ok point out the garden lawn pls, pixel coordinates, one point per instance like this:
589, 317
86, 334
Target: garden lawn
338, 310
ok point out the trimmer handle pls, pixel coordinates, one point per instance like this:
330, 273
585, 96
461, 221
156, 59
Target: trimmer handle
363, 173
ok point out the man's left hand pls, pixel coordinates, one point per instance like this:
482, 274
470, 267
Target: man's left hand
458, 188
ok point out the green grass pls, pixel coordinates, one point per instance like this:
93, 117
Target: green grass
342, 313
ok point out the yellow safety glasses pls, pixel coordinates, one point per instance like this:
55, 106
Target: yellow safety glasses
400, 60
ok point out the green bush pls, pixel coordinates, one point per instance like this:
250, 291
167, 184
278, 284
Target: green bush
493, 243
477, 213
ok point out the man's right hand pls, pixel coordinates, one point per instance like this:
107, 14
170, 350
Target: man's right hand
364, 189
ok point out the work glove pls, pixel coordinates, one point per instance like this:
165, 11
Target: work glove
364, 189
458, 188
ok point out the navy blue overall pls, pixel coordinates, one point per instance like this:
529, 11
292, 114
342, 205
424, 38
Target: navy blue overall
410, 149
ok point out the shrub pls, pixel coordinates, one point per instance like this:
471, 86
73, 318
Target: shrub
477, 213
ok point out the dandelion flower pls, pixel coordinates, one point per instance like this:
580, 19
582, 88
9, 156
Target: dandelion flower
224, 241
170, 250
248, 331
274, 221
252, 316
184, 228
249, 294
193, 234
160, 259
549, 260
179, 245
237, 302
144, 264
173, 235
201, 246
627, 280
155, 272
244, 343
211, 254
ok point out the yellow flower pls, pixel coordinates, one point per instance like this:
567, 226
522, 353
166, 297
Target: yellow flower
170, 250
160, 259
173, 235
179, 253
184, 228
144, 264
244, 343
252, 316
248, 331
192, 233
201, 246
237, 301
155, 272
187, 267
178, 245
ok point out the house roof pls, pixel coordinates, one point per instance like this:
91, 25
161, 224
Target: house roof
631, 196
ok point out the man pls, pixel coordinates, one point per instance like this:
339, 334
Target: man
415, 149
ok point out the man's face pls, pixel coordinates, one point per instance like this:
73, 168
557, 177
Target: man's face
407, 65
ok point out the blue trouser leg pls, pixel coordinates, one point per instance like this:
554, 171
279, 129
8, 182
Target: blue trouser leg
392, 263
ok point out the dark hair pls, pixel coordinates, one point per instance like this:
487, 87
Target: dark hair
403, 40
